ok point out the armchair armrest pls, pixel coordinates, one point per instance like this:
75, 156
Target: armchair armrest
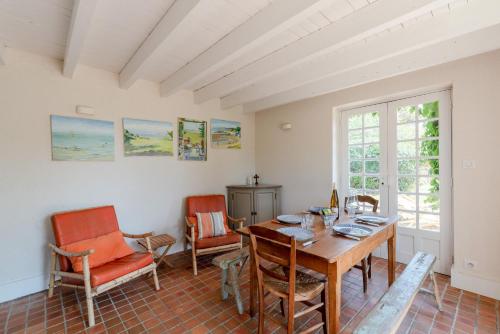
59, 251
188, 223
238, 221
137, 236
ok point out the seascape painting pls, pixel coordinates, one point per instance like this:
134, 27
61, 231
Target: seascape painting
82, 139
147, 138
192, 144
225, 134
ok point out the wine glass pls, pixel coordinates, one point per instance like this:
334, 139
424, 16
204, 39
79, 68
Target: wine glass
352, 204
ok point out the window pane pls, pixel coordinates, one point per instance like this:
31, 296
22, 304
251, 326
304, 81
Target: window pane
355, 152
355, 137
407, 167
354, 122
372, 166
428, 185
407, 202
371, 119
406, 114
372, 135
372, 151
429, 110
406, 131
407, 219
428, 203
429, 148
407, 184
356, 182
356, 166
406, 149
428, 222
428, 167
428, 129
372, 182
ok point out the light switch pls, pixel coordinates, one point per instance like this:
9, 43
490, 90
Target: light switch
468, 164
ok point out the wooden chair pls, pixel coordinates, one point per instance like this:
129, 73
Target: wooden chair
366, 263
203, 204
75, 226
284, 281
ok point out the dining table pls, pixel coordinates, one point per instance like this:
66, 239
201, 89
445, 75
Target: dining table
332, 254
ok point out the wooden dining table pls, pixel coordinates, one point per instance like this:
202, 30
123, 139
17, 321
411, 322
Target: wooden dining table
333, 255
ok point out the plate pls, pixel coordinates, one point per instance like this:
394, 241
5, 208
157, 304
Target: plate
316, 210
299, 233
354, 230
372, 219
290, 219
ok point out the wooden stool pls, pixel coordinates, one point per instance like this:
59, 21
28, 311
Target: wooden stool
227, 262
158, 241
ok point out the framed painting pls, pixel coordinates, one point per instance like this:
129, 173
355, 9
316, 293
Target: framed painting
192, 140
82, 139
225, 134
147, 138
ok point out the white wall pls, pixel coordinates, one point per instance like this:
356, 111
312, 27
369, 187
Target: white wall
301, 159
147, 192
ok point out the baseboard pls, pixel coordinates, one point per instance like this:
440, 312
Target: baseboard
469, 282
20, 288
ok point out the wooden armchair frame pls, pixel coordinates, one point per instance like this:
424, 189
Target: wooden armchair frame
90, 291
191, 239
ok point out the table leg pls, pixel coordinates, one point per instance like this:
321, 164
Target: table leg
334, 297
391, 258
253, 282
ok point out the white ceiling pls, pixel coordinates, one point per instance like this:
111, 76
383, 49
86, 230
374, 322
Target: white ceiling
259, 53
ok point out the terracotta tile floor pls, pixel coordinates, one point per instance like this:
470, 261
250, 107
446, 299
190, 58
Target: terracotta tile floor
186, 304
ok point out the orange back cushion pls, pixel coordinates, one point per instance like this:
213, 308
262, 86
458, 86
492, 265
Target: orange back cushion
205, 203
107, 248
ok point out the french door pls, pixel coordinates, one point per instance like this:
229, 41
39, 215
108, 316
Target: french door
400, 153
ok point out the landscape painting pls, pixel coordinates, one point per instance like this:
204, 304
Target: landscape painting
82, 139
147, 138
225, 134
192, 140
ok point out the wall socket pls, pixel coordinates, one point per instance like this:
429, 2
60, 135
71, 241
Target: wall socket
470, 264
468, 164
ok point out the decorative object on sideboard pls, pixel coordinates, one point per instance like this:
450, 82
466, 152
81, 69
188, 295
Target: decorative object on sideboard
225, 134
82, 139
192, 140
256, 177
147, 138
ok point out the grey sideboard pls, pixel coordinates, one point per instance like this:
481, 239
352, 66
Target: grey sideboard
257, 203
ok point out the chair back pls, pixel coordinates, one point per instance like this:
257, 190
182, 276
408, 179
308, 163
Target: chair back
73, 226
277, 248
366, 199
204, 204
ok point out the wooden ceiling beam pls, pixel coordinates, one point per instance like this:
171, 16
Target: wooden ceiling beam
175, 15
81, 19
476, 15
468, 45
270, 21
367, 21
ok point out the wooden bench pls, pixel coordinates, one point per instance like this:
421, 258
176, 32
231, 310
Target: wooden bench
388, 314
227, 262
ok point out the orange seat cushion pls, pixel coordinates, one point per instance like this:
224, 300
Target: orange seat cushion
230, 238
119, 267
114, 269
107, 248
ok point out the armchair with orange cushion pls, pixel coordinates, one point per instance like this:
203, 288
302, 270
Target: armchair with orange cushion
200, 244
93, 254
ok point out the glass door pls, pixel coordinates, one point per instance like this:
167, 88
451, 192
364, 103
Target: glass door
419, 142
400, 153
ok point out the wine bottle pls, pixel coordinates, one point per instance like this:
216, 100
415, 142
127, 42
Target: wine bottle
334, 201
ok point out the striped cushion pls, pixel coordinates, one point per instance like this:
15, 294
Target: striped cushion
210, 224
